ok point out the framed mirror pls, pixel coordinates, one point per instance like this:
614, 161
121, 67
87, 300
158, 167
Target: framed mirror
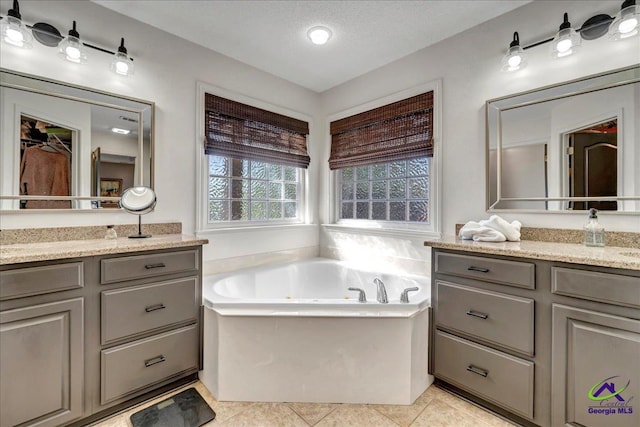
566, 147
69, 147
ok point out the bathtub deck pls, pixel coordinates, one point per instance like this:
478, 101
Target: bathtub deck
434, 408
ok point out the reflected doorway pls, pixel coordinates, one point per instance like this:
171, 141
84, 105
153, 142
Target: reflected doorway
592, 154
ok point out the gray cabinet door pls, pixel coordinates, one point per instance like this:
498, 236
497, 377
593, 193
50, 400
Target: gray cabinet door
42, 364
595, 369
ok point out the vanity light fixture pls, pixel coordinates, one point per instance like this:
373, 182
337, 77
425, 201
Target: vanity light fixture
566, 41
16, 33
121, 131
122, 64
319, 35
71, 48
13, 30
625, 24
515, 58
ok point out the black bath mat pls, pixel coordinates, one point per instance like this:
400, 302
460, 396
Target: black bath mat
185, 409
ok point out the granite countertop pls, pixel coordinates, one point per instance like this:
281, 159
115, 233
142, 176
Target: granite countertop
609, 256
45, 251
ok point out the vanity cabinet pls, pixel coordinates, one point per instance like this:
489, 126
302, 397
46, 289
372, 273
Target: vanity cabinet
86, 337
596, 349
42, 364
484, 338
541, 342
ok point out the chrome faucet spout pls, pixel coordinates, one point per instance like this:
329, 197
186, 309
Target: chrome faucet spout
382, 291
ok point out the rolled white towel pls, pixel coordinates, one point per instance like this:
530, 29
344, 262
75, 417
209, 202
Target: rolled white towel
478, 233
510, 230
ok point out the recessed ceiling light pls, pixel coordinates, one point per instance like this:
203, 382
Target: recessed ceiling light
319, 35
120, 131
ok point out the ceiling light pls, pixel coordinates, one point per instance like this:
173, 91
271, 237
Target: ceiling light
319, 35
72, 48
13, 31
121, 131
122, 64
566, 41
515, 57
625, 24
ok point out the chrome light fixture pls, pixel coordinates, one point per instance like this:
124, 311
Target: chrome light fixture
515, 58
13, 30
122, 64
625, 24
566, 41
72, 49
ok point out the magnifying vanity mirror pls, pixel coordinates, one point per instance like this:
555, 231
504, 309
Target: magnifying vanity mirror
138, 201
567, 147
68, 147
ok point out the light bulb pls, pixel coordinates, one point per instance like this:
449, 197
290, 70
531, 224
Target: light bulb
73, 53
514, 61
566, 41
628, 25
564, 45
319, 35
15, 33
122, 64
72, 49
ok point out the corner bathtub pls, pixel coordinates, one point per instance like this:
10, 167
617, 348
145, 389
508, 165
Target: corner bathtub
294, 333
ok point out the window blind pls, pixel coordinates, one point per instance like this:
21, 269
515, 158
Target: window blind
244, 132
401, 130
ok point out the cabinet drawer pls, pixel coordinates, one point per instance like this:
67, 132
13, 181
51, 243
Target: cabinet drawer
131, 367
130, 311
499, 318
512, 273
141, 266
595, 286
500, 378
23, 282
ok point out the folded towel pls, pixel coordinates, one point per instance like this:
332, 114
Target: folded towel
510, 230
495, 229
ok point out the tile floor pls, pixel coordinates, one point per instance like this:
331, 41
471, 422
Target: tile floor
435, 408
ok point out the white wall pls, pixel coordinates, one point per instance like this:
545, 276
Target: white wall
167, 69
469, 66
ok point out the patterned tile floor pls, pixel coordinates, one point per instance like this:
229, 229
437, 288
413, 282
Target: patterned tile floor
435, 408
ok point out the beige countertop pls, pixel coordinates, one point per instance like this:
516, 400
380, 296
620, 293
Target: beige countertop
609, 256
45, 251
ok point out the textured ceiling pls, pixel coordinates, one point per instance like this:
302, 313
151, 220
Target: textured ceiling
271, 35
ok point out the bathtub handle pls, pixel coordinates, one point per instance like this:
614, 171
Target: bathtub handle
362, 297
404, 296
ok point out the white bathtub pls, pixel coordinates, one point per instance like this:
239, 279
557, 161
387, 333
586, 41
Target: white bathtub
294, 333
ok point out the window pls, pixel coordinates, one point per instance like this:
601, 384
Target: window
384, 165
394, 191
251, 190
255, 164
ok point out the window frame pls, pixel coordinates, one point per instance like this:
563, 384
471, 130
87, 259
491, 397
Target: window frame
435, 171
202, 165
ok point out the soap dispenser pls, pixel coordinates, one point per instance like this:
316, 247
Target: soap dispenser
593, 231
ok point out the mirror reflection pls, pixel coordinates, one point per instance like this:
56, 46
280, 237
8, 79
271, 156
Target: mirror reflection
567, 147
65, 147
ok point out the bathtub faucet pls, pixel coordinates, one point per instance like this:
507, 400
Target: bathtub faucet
382, 292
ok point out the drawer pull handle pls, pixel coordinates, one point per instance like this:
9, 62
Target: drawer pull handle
155, 307
479, 269
478, 371
154, 361
478, 315
152, 266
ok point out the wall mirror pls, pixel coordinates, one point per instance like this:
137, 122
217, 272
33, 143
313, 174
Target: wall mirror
567, 147
68, 147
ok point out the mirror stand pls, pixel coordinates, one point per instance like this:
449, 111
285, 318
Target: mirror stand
139, 235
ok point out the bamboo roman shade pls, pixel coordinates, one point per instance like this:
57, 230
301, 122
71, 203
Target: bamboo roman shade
244, 132
399, 131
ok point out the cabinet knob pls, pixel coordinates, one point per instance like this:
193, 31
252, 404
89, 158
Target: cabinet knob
152, 266
155, 307
479, 269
